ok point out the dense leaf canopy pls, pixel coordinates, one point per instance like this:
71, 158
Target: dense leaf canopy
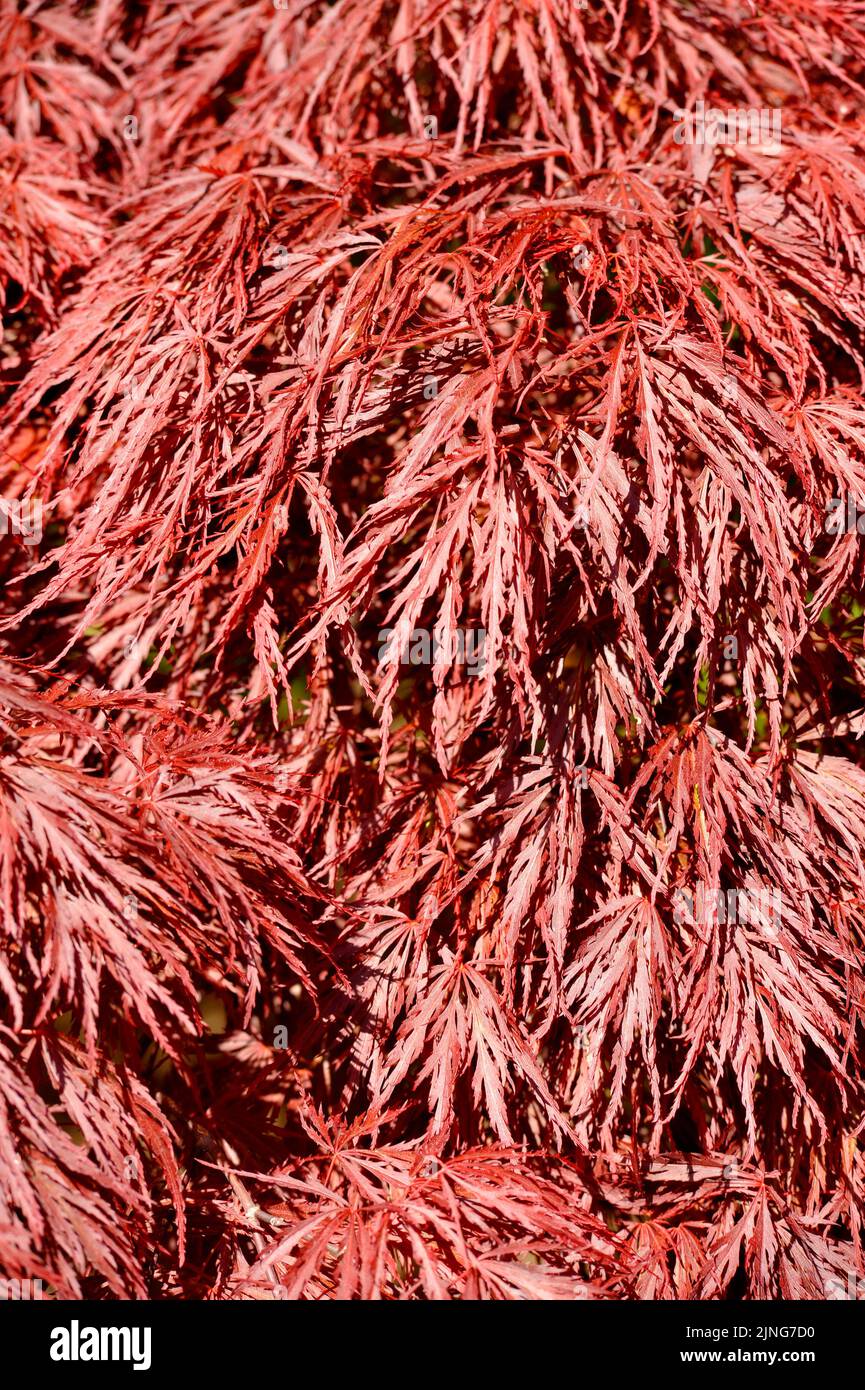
326, 974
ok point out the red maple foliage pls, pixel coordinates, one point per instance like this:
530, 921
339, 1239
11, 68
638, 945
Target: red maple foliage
431, 681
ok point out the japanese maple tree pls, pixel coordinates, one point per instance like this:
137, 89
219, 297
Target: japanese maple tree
335, 968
